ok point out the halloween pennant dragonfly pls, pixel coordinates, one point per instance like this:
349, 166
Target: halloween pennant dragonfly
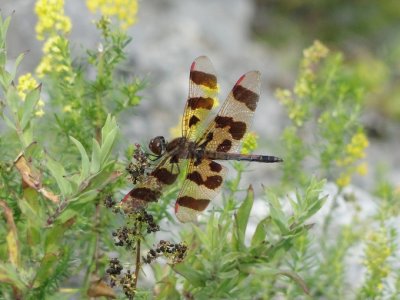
201, 145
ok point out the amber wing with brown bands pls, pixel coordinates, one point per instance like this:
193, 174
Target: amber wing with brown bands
234, 118
203, 91
203, 182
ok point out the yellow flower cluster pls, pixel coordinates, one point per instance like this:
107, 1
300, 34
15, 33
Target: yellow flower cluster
296, 111
55, 59
355, 151
304, 86
311, 56
377, 252
249, 143
51, 18
124, 10
27, 83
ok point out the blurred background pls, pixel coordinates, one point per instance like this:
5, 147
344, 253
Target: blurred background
238, 36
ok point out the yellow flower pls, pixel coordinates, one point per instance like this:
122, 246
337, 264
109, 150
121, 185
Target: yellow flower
124, 10
39, 113
249, 143
362, 169
51, 18
56, 59
26, 83
343, 180
377, 252
356, 148
314, 53
67, 108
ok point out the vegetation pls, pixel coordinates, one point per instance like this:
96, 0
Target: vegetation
62, 233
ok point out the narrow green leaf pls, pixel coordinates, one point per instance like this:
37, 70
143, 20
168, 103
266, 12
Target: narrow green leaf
243, 214
296, 278
28, 211
29, 105
107, 127
58, 172
107, 145
229, 274
99, 179
202, 236
195, 278
85, 197
260, 233
277, 214
13, 100
95, 163
10, 275
45, 269
67, 214
16, 65
85, 167
9, 123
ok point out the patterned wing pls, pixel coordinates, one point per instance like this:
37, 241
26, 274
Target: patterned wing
227, 130
203, 90
203, 182
150, 189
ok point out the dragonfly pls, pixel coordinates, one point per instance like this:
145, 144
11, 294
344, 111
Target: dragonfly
203, 143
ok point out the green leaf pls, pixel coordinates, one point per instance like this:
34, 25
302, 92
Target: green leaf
85, 167
28, 211
260, 233
95, 165
242, 217
108, 126
85, 197
229, 274
53, 237
9, 123
13, 100
10, 275
29, 105
45, 269
202, 236
277, 214
58, 172
195, 278
107, 145
16, 65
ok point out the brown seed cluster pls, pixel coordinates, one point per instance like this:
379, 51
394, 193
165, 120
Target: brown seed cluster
175, 253
138, 166
146, 218
109, 202
127, 236
126, 281
124, 236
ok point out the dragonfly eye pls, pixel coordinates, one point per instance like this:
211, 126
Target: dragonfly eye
157, 145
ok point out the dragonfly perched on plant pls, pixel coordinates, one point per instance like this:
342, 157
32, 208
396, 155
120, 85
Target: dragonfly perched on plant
201, 144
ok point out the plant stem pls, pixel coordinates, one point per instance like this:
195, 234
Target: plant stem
137, 266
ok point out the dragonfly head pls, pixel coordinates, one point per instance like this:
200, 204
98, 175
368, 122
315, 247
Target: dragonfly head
157, 145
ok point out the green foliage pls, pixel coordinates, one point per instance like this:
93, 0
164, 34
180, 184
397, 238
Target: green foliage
52, 182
